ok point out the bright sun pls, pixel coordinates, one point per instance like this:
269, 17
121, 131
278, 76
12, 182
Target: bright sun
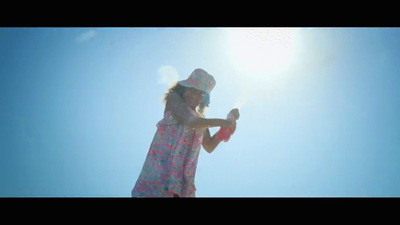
258, 50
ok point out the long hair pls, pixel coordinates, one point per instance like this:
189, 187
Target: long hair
179, 89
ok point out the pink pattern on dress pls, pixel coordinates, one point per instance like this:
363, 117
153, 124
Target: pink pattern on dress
171, 161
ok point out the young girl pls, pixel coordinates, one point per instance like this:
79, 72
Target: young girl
170, 165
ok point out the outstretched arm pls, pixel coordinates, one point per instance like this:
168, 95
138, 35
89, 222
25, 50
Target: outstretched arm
179, 110
210, 143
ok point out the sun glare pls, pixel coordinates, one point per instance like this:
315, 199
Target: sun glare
258, 50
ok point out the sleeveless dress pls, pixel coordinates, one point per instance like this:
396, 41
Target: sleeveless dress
171, 161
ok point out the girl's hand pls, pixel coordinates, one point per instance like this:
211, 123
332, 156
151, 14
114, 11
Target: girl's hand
235, 113
233, 126
228, 123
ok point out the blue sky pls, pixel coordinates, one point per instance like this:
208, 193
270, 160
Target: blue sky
319, 115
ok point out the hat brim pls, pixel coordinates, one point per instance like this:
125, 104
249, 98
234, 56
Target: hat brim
189, 84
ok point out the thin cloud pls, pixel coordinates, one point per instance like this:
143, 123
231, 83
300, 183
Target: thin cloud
86, 36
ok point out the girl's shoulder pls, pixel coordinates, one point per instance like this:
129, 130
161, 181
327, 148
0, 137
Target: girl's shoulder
173, 99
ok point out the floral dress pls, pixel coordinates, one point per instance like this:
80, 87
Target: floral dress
171, 161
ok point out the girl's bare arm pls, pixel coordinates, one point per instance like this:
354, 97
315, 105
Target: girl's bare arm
179, 110
210, 143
